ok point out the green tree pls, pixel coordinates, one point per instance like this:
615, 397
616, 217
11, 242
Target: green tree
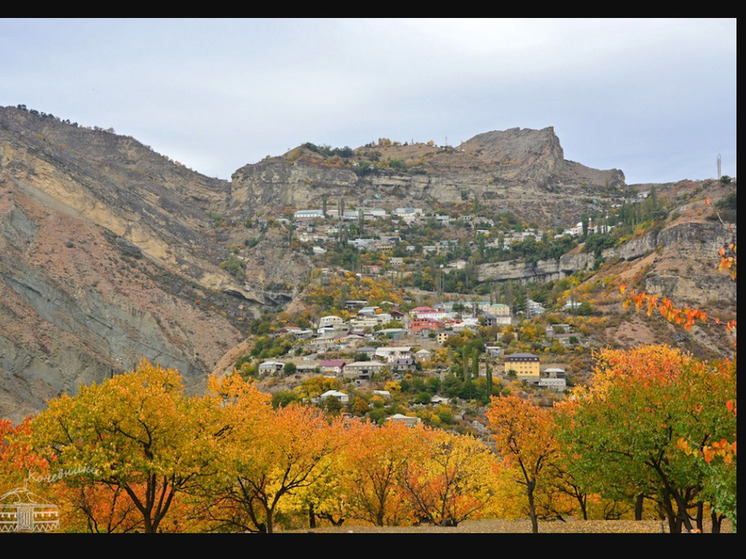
625, 430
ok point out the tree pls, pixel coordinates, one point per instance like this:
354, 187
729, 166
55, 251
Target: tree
525, 441
710, 432
20, 463
449, 480
374, 459
623, 430
135, 433
267, 456
702, 451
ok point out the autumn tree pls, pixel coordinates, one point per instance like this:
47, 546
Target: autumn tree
717, 456
623, 429
266, 455
326, 499
709, 433
449, 479
375, 457
136, 434
525, 442
20, 463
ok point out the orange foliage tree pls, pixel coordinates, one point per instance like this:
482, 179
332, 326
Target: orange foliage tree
374, 459
703, 451
449, 478
265, 456
20, 463
525, 442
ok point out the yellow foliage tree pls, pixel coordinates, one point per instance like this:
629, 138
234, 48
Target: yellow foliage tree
135, 433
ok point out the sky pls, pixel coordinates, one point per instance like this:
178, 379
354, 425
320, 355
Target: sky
655, 98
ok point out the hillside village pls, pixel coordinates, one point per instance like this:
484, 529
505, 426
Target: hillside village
471, 254
404, 358
394, 322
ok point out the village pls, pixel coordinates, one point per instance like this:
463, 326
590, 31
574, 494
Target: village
375, 349
529, 340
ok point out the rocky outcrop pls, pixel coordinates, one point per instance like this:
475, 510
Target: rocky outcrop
539, 271
686, 268
513, 170
689, 248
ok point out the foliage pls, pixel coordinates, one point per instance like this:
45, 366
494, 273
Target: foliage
331, 293
525, 441
375, 458
19, 461
135, 433
624, 429
448, 482
275, 452
234, 266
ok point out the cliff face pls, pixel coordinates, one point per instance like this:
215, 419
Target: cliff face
109, 253
515, 169
689, 248
78, 304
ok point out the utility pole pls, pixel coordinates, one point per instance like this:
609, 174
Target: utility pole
719, 164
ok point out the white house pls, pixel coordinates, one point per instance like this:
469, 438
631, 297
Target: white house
392, 353
309, 214
341, 396
330, 321
332, 366
557, 384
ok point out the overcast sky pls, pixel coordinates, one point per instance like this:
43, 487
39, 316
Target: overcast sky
655, 98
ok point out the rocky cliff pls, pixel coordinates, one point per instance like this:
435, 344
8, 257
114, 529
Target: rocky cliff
515, 169
110, 253
690, 246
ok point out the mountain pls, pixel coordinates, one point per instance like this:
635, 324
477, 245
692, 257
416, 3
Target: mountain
110, 252
513, 169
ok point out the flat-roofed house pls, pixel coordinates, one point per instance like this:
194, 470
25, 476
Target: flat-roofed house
526, 365
363, 370
271, 367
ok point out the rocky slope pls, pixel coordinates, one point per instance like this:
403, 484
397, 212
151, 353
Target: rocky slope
516, 169
110, 252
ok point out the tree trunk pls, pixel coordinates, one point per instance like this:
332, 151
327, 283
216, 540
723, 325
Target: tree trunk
638, 507
532, 507
700, 515
311, 517
716, 522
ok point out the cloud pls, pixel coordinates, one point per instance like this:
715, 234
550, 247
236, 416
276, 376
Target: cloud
654, 97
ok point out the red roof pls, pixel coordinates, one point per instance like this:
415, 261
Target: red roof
332, 363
